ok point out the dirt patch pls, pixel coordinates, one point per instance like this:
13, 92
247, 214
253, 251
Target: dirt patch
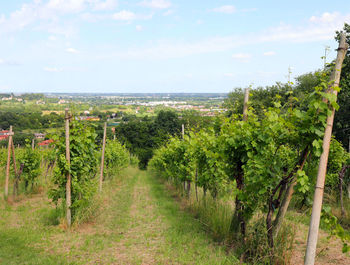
329, 250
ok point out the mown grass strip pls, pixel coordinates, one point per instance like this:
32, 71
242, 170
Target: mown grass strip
188, 243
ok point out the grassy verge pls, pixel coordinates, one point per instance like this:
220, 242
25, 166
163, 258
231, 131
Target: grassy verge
188, 242
137, 222
28, 234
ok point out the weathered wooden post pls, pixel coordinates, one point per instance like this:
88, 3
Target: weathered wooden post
245, 106
69, 180
13, 156
15, 186
113, 131
322, 168
103, 155
8, 163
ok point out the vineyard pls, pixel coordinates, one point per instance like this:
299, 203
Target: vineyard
260, 184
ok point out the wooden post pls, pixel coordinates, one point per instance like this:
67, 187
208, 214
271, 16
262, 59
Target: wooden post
245, 106
33, 143
69, 180
322, 168
183, 137
15, 185
8, 164
103, 155
113, 130
13, 157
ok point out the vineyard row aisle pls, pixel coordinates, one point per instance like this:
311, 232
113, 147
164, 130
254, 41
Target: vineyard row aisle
140, 223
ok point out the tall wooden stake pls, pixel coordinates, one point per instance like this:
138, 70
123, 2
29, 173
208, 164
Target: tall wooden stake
245, 106
33, 144
8, 164
69, 180
322, 168
13, 157
183, 131
103, 154
15, 184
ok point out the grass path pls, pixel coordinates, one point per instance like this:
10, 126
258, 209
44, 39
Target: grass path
138, 222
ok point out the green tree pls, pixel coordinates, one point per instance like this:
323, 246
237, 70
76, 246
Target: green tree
341, 120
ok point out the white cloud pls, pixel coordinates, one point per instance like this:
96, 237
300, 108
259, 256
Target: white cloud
199, 22
229, 74
67, 6
76, 6
52, 38
270, 53
19, 18
48, 13
228, 9
129, 16
310, 32
8, 63
105, 5
297, 34
66, 30
52, 69
124, 15
139, 28
93, 17
325, 17
168, 12
72, 50
242, 57
157, 4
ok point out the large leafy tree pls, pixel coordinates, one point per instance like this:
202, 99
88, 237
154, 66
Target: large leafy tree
142, 135
342, 122
261, 98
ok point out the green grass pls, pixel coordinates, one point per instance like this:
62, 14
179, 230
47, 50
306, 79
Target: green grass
137, 222
15, 248
188, 241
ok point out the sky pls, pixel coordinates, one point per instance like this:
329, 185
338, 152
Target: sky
165, 46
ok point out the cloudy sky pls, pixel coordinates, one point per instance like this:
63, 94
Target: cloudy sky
162, 45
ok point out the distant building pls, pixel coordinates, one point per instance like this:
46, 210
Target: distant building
39, 135
40, 102
46, 142
62, 101
4, 134
88, 118
5, 99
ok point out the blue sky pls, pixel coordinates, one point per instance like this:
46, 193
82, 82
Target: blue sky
126, 46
